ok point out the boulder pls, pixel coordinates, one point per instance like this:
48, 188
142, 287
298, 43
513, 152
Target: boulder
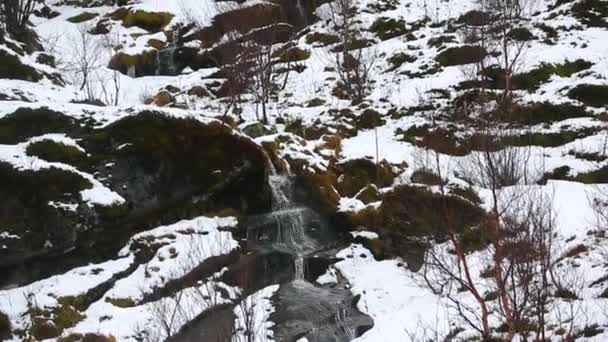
198, 91
357, 174
5, 327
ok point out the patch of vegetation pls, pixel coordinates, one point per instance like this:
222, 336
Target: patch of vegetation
545, 112
427, 177
89, 337
53, 151
369, 119
356, 174
12, 68
550, 32
399, 59
82, 17
150, 21
380, 6
143, 64
590, 94
475, 18
547, 139
323, 39
461, 55
598, 176
591, 12
521, 34
438, 42
387, 28
533, 79
121, 302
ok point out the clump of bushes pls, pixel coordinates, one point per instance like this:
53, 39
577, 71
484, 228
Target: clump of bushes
590, 94
461, 55
322, 39
387, 28
598, 176
475, 18
521, 34
438, 42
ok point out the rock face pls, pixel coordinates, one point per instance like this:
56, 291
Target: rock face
165, 168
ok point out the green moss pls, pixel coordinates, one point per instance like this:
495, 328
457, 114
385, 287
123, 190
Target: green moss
598, 176
461, 55
533, 79
591, 12
149, 21
121, 302
590, 94
82, 17
387, 28
53, 151
65, 316
77, 302
42, 329
12, 68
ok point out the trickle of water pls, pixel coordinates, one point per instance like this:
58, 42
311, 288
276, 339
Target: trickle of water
302, 12
299, 266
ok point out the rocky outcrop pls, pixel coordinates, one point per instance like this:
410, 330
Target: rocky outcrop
166, 169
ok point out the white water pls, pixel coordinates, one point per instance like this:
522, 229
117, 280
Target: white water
302, 12
290, 221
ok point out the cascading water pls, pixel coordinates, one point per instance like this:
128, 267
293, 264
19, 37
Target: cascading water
302, 12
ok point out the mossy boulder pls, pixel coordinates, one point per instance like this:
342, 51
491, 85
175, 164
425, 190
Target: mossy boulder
30, 122
165, 168
5, 327
82, 17
144, 64
369, 194
594, 95
150, 21
53, 151
461, 55
357, 174
387, 28
12, 68
410, 212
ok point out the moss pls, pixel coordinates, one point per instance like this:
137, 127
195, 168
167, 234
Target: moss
533, 79
590, 94
121, 302
43, 329
399, 59
369, 194
77, 302
66, 316
53, 151
30, 122
149, 21
82, 17
591, 12
12, 68
359, 173
461, 55
387, 28
598, 176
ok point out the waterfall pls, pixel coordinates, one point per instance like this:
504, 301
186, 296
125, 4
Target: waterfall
165, 62
299, 267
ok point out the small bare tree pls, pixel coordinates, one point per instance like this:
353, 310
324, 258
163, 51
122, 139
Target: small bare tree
84, 61
352, 60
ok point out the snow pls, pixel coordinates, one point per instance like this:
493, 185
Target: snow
254, 311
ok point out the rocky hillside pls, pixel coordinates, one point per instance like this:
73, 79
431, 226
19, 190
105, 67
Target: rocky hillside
304, 170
